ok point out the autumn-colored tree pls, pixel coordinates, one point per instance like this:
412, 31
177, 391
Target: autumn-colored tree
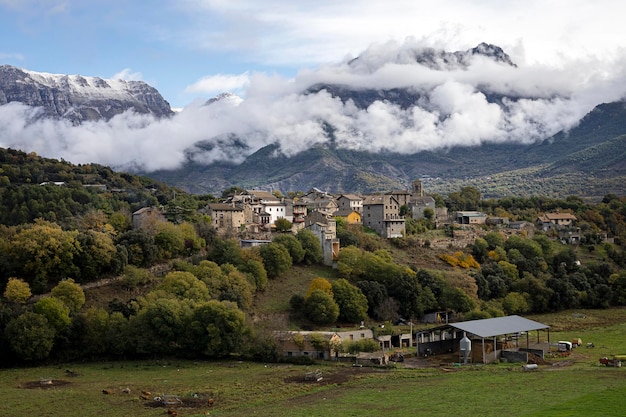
321, 284
42, 252
17, 291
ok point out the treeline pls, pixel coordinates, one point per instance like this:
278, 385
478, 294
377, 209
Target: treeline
197, 310
32, 188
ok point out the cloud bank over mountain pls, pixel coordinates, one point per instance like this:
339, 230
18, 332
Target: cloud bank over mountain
456, 107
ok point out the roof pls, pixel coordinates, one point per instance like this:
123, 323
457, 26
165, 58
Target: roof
352, 197
498, 326
223, 207
345, 213
557, 216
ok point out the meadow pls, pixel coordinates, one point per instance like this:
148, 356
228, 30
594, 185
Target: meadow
573, 386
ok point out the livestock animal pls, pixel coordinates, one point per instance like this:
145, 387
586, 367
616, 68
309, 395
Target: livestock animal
211, 401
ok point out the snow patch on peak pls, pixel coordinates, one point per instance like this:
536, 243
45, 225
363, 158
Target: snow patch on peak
81, 86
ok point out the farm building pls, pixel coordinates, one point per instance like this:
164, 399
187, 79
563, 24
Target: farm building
317, 345
495, 338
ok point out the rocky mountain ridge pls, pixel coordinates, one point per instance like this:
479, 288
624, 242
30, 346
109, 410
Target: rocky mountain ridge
79, 98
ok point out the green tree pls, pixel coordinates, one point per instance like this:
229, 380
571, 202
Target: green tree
70, 293
17, 291
96, 255
95, 328
53, 309
283, 225
140, 246
235, 287
276, 259
159, 327
376, 294
351, 301
217, 329
457, 300
293, 245
494, 240
321, 308
312, 247
30, 336
515, 303
184, 286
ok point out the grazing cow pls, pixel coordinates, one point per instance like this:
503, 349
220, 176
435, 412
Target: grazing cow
172, 412
107, 391
210, 402
126, 390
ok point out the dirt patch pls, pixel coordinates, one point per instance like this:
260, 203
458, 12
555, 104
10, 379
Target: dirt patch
45, 384
344, 375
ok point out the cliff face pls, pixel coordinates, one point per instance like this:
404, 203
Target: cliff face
78, 98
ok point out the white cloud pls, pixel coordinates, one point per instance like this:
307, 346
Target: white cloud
128, 75
219, 83
453, 110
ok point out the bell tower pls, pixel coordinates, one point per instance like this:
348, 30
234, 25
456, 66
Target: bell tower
418, 191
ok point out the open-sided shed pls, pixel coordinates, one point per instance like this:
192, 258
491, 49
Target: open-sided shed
446, 338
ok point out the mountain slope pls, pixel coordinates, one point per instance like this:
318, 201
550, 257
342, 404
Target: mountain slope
79, 98
589, 161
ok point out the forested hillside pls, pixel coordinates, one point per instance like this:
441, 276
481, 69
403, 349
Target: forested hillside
177, 288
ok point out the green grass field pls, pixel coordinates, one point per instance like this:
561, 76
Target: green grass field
582, 388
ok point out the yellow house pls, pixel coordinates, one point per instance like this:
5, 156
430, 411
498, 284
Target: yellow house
350, 216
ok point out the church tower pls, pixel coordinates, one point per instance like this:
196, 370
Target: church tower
418, 191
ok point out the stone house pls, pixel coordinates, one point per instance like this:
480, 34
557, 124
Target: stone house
350, 202
549, 221
226, 217
417, 205
146, 217
402, 196
381, 213
326, 232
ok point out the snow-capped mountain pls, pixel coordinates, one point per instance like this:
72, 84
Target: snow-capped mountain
79, 98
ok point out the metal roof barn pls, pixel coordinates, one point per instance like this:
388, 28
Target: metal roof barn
498, 326
448, 336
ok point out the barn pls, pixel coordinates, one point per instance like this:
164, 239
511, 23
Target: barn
510, 337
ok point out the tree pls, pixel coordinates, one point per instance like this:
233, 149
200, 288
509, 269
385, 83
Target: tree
17, 291
293, 245
53, 309
184, 286
159, 326
70, 293
311, 245
30, 336
321, 284
283, 225
515, 303
140, 246
494, 240
43, 251
96, 255
217, 328
351, 301
236, 287
376, 294
321, 308
276, 259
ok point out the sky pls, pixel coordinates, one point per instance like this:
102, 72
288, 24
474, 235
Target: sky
570, 56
